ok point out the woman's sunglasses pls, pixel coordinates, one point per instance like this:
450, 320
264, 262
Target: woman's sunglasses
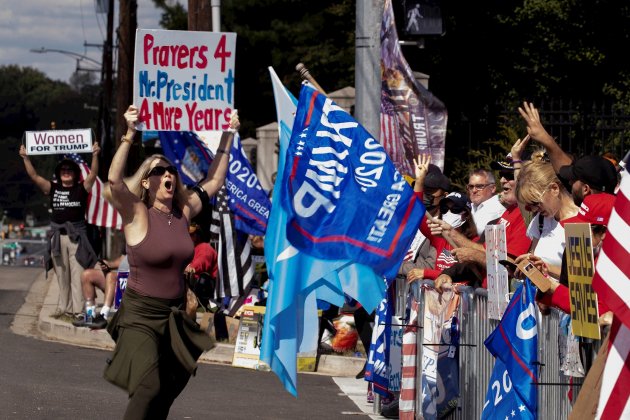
161, 170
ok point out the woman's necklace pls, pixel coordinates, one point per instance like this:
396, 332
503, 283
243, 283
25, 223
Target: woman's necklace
169, 215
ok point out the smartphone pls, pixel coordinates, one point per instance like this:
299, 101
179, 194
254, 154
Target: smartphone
540, 281
509, 265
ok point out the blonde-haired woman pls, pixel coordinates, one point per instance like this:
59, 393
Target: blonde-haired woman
157, 339
539, 190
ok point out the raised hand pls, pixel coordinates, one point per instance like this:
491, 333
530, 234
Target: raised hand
421, 166
235, 123
132, 118
96, 149
535, 128
519, 147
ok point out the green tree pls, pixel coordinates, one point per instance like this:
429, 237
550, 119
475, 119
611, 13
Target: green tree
174, 15
30, 101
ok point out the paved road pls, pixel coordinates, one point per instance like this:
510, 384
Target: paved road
48, 380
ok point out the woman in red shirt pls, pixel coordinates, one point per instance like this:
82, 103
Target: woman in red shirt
455, 209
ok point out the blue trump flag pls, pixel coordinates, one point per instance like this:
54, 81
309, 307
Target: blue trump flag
247, 200
377, 370
344, 196
297, 280
512, 389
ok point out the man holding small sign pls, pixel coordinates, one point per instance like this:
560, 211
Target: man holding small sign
69, 250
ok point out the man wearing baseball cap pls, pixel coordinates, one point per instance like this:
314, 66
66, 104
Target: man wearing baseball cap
589, 175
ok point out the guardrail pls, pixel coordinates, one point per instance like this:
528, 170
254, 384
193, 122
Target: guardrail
476, 362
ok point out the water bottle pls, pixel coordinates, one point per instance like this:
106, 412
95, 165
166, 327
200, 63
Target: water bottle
89, 311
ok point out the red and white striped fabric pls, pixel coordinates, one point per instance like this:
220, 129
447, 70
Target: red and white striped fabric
407, 400
99, 212
612, 284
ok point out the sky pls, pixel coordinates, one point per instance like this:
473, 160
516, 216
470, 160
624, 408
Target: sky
61, 25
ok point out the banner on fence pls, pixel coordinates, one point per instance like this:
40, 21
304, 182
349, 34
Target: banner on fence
580, 269
440, 366
184, 80
498, 287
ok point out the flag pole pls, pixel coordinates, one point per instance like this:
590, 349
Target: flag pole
306, 75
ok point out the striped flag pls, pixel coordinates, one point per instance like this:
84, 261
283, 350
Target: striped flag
407, 401
236, 269
612, 284
391, 140
99, 212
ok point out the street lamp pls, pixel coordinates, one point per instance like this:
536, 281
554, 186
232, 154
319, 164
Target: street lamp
77, 56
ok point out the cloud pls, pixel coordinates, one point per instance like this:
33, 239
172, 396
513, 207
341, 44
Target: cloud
58, 24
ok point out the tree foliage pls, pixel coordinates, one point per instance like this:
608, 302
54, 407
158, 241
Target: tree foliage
30, 101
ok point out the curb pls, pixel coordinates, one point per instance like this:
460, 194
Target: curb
57, 330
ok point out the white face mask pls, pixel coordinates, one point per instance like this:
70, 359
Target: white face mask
453, 219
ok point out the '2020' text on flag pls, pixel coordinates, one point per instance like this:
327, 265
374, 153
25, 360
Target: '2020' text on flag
248, 202
514, 344
612, 284
99, 212
297, 280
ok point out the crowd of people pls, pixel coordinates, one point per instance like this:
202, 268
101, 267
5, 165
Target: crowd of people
543, 188
157, 347
541, 191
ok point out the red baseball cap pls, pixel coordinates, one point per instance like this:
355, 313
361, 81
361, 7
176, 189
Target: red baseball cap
595, 209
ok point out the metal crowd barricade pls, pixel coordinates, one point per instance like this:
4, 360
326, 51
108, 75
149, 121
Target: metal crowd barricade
476, 362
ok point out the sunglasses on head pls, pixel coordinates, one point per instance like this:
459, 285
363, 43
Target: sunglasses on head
161, 170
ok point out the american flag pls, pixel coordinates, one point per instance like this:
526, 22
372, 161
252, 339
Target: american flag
392, 142
612, 284
99, 212
236, 269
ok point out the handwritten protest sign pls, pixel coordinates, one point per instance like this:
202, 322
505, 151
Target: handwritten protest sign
580, 268
496, 250
184, 80
58, 142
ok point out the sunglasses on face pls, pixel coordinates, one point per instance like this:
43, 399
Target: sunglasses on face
66, 168
478, 187
507, 175
161, 170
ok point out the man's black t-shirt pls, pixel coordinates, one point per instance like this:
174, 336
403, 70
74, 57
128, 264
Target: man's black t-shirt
68, 203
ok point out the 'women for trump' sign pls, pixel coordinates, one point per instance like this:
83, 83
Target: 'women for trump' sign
184, 81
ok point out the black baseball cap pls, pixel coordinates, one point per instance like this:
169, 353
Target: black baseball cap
505, 169
68, 163
460, 202
436, 179
596, 171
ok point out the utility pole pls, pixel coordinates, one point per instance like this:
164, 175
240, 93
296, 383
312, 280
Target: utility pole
128, 22
367, 78
199, 15
104, 127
